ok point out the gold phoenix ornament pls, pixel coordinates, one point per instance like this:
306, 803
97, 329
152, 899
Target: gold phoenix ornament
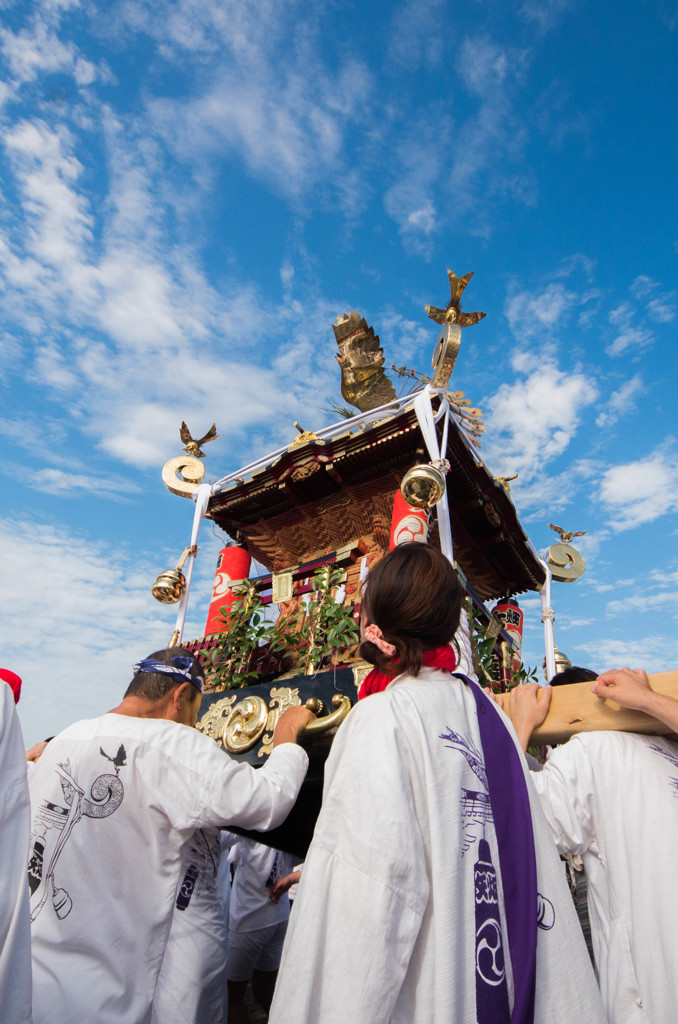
361, 358
452, 314
191, 446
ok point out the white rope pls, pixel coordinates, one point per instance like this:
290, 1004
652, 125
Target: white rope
427, 423
201, 498
547, 617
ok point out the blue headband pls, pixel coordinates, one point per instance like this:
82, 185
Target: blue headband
178, 669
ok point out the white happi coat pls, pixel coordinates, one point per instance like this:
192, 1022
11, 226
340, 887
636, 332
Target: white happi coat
257, 868
613, 798
114, 801
191, 987
15, 934
383, 928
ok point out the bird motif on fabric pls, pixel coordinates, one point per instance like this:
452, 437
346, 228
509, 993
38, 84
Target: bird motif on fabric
567, 535
120, 759
191, 446
452, 314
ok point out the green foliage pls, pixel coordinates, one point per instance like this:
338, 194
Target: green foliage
315, 632
324, 626
483, 651
231, 660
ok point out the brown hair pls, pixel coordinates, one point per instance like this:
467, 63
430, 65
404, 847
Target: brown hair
414, 596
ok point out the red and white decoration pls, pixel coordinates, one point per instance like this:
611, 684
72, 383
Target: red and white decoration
407, 523
511, 615
233, 563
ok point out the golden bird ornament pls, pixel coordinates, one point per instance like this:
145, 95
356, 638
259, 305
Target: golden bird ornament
192, 446
452, 314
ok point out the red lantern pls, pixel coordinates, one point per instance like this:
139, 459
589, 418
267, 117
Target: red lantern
511, 615
233, 563
407, 523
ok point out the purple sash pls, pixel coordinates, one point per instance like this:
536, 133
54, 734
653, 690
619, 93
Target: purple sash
510, 804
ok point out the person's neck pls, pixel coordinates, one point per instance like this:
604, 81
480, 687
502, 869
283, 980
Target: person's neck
137, 707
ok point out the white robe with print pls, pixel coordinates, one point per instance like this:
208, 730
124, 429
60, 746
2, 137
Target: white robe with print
613, 798
384, 928
114, 802
191, 986
15, 821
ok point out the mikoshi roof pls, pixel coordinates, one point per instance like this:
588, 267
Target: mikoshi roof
327, 490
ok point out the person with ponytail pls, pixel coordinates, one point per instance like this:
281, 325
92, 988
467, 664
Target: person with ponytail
432, 891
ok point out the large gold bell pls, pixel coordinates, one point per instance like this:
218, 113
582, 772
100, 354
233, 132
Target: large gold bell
169, 586
423, 486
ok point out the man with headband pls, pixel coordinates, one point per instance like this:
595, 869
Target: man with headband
115, 801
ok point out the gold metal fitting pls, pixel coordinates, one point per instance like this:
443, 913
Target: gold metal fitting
423, 486
170, 585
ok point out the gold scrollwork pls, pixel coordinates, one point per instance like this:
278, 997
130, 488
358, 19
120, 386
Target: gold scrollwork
281, 698
192, 471
565, 563
246, 725
216, 717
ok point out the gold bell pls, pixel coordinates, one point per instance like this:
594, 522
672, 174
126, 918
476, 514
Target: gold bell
423, 486
170, 585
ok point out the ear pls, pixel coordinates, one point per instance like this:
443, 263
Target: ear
181, 695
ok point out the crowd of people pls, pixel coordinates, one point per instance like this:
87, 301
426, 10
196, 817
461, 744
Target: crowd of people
433, 890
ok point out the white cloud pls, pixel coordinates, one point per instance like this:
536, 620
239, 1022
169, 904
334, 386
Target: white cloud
639, 604
544, 13
649, 652
643, 286
532, 421
621, 402
414, 34
641, 491
76, 615
73, 485
531, 313
662, 309
634, 338
485, 66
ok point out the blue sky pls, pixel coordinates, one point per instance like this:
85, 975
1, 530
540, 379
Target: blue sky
191, 192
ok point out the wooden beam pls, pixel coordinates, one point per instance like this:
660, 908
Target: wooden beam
575, 709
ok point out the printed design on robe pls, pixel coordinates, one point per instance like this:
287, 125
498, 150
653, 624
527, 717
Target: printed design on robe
673, 760
54, 823
492, 1005
476, 810
546, 913
274, 873
204, 851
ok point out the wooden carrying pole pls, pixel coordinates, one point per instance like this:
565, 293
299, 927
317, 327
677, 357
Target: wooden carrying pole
575, 709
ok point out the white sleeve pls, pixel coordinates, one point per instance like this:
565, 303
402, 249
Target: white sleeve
366, 864
256, 798
567, 796
15, 935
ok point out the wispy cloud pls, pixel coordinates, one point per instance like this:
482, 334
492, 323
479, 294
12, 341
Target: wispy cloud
621, 402
544, 13
532, 421
646, 652
641, 491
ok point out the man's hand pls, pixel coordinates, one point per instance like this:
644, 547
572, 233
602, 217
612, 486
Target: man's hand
291, 723
36, 751
628, 687
280, 887
528, 705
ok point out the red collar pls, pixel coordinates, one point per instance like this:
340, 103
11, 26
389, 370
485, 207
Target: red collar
376, 681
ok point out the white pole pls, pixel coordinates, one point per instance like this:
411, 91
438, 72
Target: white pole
437, 453
201, 498
547, 617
